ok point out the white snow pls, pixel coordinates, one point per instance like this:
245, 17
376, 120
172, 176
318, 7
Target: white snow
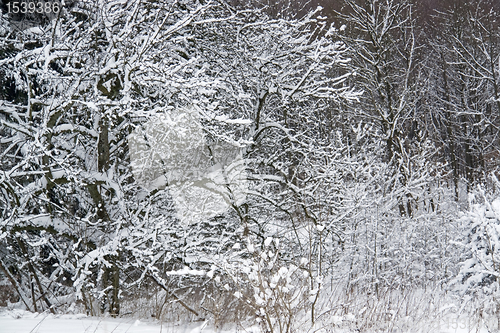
186, 271
226, 119
495, 205
18, 321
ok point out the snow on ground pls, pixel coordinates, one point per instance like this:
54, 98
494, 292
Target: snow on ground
18, 321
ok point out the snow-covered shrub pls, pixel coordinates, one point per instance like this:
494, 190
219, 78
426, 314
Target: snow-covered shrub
278, 291
479, 276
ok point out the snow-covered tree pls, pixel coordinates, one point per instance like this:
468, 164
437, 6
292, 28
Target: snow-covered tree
463, 75
479, 274
84, 80
102, 74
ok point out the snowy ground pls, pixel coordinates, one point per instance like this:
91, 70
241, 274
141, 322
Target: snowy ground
17, 321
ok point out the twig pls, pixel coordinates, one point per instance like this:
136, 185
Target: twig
39, 323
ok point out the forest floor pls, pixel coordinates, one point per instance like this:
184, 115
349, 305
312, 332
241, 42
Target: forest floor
18, 321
